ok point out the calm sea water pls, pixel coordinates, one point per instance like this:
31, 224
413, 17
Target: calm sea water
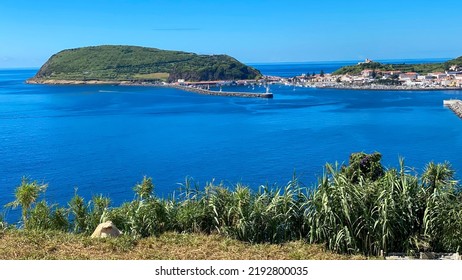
103, 139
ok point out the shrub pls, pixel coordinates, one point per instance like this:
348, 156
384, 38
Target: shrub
97, 210
396, 212
145, 216
26, 195
44, 217
79, 213
363, 165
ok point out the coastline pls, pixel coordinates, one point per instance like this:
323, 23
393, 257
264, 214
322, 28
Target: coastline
371, 87
197, 90
384, 88
74, 82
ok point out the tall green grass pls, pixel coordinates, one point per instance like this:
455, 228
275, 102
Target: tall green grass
359, 208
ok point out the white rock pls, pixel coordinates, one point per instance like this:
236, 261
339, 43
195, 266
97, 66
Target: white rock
106, 229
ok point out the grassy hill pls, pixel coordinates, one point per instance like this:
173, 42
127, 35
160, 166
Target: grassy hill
422, 68
121, 63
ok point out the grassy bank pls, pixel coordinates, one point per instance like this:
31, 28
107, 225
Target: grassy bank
359, 208
18, 244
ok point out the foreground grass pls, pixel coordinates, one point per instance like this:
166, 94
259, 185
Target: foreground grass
19, 244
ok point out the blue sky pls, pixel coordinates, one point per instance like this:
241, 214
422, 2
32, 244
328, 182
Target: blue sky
251, 30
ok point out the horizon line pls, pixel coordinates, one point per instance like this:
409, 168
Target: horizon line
436, 59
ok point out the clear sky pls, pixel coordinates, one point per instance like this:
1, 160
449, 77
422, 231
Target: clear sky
251, 30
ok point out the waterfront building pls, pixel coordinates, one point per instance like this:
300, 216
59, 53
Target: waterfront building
408, 76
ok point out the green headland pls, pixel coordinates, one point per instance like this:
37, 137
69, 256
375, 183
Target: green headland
421, 68
110, 63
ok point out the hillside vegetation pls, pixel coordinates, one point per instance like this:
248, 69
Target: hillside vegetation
422, 68
122, 63
360, 208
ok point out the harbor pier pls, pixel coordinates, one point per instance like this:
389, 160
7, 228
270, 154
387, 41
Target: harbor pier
455, 105
222, 93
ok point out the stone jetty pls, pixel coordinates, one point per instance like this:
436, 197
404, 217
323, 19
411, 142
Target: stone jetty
455, 105
221, 93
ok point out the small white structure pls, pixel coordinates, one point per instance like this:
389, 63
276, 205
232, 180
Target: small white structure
455, 68
408, 76
438, 75
106, 229
366, 61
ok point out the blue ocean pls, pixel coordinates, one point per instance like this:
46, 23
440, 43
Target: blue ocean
104, 139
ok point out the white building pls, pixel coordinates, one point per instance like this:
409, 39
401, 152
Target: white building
408, 76
438, 75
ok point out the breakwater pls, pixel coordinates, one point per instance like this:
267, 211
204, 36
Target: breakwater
455, 105
221, 93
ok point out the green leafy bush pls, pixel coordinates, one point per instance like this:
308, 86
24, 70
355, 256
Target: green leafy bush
26, 195
44, 217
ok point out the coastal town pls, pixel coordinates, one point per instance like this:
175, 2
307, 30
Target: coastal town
366, 79
379, 79
364, 75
